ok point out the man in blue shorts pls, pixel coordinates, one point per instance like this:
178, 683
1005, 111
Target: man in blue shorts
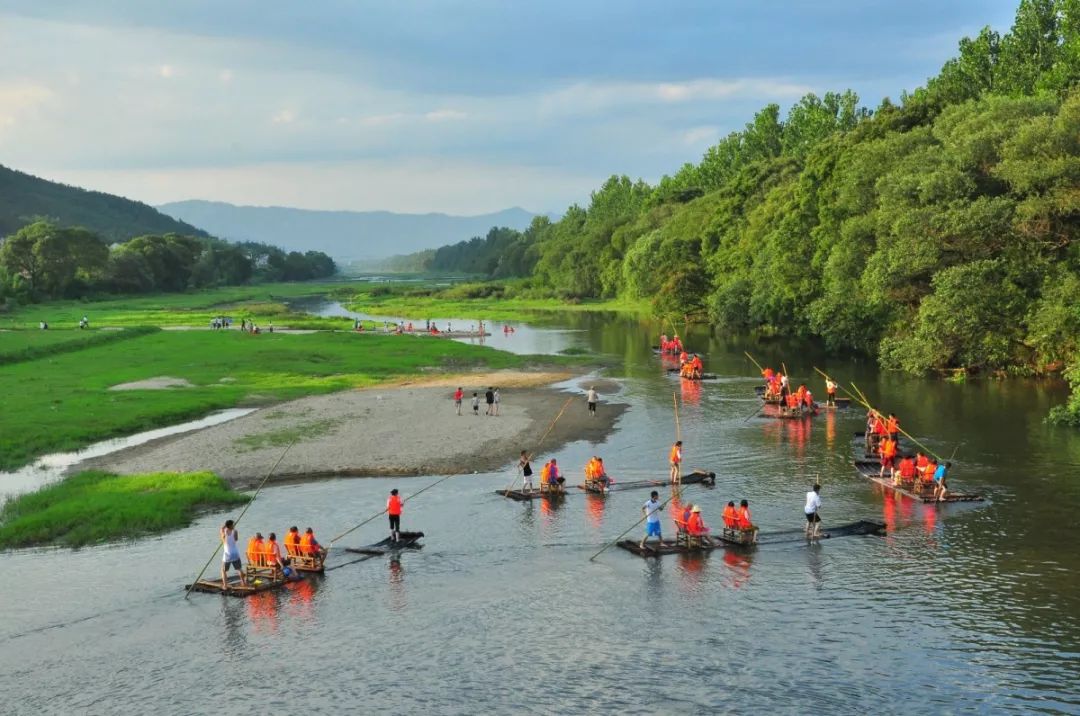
652, 519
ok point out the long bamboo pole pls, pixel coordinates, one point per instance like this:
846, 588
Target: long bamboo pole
242, 513
541, 442
614, 541
760, 369
383, 511
902, 431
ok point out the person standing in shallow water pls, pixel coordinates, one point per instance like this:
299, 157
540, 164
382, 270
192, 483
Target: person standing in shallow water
591, 397
526, 472
813, 504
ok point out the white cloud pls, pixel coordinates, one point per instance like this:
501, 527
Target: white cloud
444, 115
283, 116
698, 136
21, 99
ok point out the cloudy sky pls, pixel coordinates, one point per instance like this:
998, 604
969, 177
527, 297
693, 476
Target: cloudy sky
461, 107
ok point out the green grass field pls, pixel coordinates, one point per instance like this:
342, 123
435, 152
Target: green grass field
24, 345
420, 308
62, 402
93, 507
261, 303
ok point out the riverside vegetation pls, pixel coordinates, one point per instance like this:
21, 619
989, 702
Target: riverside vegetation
938, 233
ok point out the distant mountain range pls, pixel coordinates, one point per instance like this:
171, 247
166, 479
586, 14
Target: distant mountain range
25, 198
342, 234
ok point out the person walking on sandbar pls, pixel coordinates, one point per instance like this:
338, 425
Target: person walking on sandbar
591, 397
489, 398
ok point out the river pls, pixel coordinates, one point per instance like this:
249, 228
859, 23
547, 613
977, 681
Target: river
970, 608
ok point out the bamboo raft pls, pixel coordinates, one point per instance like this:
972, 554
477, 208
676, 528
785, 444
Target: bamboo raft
235, 588
526, 495
871, 470
841, 403
704, 376
406, 540
694, 478
727, 539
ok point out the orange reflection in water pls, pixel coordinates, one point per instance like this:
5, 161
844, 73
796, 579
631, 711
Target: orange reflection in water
691, 391
262, 609
738, 566
889, 510
594, 508
830, 428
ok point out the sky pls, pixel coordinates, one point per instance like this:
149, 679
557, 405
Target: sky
415, 106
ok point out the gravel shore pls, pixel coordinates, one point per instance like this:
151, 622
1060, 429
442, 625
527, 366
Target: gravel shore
407, 429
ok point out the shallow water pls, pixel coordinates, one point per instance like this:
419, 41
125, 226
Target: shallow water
52, 467
965, 608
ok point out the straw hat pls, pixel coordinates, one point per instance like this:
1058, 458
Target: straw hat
696, 509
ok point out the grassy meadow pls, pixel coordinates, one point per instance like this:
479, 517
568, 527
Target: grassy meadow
63, 402
93, 507
454, 303
263, 303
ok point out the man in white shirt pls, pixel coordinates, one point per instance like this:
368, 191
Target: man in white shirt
813, 504
591, 397
652, 519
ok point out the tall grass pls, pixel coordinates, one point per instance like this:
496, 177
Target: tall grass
93, 507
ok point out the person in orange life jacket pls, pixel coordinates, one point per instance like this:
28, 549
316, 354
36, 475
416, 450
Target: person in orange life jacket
273, 552
310, 546
675, 458
393, 508
731, 516
255, 551
696, 527
292, 541
743, 520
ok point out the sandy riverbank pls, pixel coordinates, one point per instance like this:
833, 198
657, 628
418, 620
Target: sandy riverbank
406, 429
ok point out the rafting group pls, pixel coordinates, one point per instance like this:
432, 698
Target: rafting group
691, 531
265, 560
920, 473
793, 402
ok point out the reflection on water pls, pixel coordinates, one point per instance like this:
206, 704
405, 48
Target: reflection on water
961, 608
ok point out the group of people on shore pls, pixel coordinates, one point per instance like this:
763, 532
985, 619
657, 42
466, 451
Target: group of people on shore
492, 399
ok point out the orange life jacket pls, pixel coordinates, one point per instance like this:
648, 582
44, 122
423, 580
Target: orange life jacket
292, 542
695, 525
892, 426
731, 517
393, 505
307, 543
676, 454
921, 462
888, 448
928, 473
743, 519
907, 468
255, 551
272, 552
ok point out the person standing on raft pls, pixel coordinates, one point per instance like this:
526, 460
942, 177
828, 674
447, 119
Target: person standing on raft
231, 556
393, 508
675, 458
652, 519
813, 504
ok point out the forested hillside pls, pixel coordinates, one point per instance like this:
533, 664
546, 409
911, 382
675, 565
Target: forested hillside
25, 199
937, 232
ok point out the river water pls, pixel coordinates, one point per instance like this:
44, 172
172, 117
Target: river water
961, 609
